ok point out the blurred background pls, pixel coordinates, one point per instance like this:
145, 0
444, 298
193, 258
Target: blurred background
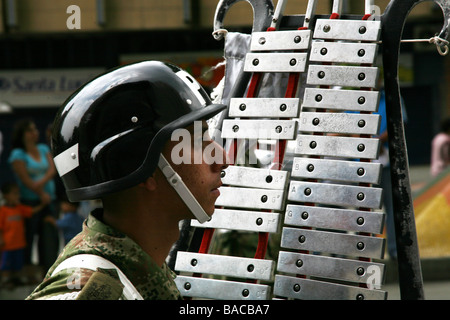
50, 48
42, 61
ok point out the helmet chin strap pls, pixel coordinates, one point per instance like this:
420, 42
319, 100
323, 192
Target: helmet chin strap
180, 187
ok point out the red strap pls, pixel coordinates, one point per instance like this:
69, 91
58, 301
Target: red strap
253, 86
334, 16
206, 240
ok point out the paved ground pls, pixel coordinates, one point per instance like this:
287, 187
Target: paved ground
20, 293
433, 290
436, 272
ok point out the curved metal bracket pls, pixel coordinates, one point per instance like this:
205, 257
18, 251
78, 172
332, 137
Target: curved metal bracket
441, 39
445, 6
262, 14
393, 20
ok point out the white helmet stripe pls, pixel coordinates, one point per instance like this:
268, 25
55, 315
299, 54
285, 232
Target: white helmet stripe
67, 160
192, 84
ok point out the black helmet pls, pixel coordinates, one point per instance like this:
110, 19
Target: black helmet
109, 134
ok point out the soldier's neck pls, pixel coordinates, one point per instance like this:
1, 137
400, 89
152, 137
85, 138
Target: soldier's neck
154, 232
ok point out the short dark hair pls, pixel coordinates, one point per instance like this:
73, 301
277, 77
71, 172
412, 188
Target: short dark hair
19, 130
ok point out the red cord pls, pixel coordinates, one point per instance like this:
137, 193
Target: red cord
206, 240
334, 16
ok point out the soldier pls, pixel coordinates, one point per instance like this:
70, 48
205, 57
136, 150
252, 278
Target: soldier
112, 141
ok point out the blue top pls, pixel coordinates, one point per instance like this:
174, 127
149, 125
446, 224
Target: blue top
35, 169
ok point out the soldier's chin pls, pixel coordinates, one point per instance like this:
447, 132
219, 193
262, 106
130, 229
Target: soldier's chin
209, 211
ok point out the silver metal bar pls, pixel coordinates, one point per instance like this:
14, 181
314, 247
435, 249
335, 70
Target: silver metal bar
280, 40
238, 267
264, 107
275, 62
278, 14
330, 267
347, 76
332, 242
341, 52
259, 129
335, 194
306, 289
250, 198
332, 146
221, 289
354, 30
336, 170
352, 100
310, 11
253, 221
346, 123
334, 218
337, 6
254, 177
368, 6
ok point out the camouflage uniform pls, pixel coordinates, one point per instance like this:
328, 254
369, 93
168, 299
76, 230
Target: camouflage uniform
152, 281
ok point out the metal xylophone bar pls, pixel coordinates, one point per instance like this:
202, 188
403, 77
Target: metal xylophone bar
237, 126
241, 194
318, 125
248, 132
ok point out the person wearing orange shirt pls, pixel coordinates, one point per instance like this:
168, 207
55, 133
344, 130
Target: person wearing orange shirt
12, 234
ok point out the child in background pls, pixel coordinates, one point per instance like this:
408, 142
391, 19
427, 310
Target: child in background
71, 222
12, 234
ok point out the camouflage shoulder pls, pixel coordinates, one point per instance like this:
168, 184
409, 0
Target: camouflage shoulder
104, 284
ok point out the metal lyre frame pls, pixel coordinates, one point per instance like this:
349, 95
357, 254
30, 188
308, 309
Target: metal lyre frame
392, 23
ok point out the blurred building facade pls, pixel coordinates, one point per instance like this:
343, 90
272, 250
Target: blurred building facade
48, 48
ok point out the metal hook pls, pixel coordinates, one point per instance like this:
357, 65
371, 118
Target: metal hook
445, 6
444, 34
262, 15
